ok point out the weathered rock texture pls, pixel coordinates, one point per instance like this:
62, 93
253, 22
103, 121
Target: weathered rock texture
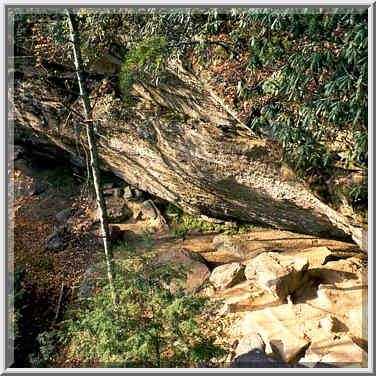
180, 144
242, 247
227, 275
279, 275
193, 266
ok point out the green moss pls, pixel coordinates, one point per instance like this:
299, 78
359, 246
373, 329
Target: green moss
145, 61
186, 223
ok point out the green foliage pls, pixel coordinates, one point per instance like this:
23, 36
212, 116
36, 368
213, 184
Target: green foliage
172, 209
101, 31
358, 194
147, 60
180, 231
151, 326
194, 223
16, 308
125, 249
186, 223
313, 88
47, 343
301, 72
148, 241
319, 84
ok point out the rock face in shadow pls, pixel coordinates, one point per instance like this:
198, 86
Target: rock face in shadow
55, 242
257, 359
179, 144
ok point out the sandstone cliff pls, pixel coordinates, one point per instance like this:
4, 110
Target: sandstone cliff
179, 143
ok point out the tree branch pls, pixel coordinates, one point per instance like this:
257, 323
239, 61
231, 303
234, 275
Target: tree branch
93, 150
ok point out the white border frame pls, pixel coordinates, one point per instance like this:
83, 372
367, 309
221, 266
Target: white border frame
153, 3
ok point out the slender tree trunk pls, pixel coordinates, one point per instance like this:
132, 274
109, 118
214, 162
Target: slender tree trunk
92, 148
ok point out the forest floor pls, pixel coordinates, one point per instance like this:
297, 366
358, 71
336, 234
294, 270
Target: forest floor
45, 272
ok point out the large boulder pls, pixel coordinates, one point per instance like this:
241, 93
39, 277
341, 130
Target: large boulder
277, 274
149, 210
197, 272
227, 275
191, 162
327, 324
250, 342
279, 329
55, 241
334, 349
117, 210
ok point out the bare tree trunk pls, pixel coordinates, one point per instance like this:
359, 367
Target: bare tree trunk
92, 148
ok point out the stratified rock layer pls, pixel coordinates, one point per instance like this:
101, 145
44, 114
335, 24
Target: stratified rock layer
180, 144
